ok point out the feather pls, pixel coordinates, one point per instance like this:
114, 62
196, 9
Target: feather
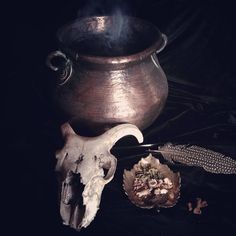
192, 155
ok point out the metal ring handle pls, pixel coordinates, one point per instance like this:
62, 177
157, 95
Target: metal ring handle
66, 72
164, 37
53, 55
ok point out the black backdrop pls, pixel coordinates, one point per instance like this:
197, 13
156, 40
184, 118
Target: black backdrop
199, 62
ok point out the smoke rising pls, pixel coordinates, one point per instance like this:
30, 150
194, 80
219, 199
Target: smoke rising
103, 7
118, 33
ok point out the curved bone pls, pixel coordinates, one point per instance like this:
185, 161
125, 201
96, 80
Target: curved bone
87, 157
120, 131
113, 135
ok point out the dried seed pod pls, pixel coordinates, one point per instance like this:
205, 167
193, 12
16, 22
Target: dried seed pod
151, 184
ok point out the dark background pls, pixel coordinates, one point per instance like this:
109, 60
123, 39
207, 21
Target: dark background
199, 61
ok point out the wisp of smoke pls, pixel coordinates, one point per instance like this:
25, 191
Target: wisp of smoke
118, 33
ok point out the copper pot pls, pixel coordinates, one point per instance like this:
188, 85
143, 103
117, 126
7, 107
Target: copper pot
108, 72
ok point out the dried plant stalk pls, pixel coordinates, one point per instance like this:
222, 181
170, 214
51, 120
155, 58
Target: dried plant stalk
209, 160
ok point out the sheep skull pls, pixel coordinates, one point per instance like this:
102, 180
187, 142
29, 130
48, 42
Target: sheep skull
86, 158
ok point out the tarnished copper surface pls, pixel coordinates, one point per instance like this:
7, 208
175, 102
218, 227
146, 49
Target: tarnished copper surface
110, 84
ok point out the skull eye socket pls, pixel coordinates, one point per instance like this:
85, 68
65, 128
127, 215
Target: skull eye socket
109, 169
105, 170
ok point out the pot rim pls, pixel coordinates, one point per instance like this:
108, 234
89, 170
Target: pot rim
155, 47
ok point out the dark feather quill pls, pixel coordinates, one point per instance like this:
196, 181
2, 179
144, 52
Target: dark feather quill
211, 161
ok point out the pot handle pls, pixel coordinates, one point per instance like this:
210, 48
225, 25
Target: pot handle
164, 37
66, 71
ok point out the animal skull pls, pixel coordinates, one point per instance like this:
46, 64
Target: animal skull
87, 158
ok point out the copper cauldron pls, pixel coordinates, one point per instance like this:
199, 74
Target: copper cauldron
108, 72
